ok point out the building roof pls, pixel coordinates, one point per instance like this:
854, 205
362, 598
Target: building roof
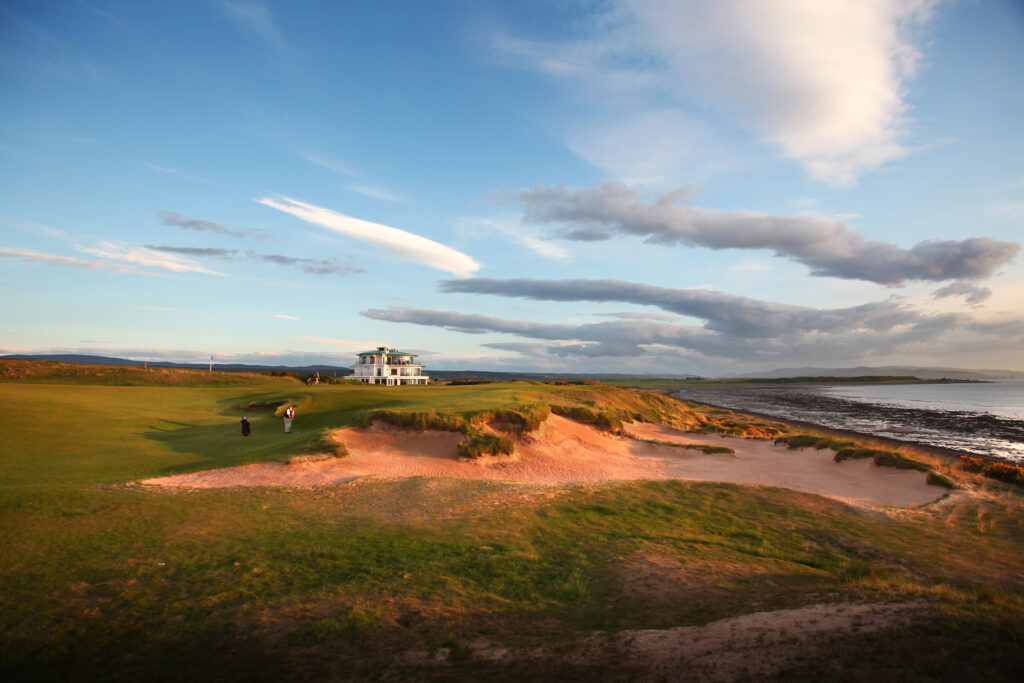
386, 353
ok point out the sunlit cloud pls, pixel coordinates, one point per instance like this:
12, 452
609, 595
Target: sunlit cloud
403, 244
973, 294
71, 262
824, 82
149, 258
521, 234
283, 317
824, 245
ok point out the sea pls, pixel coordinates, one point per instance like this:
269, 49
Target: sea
983, 418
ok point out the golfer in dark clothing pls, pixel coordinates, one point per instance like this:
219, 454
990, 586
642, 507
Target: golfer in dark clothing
245, 427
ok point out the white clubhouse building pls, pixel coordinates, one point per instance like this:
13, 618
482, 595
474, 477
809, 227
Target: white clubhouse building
388, 366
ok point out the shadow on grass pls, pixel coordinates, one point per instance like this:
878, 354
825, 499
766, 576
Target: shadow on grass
212, 446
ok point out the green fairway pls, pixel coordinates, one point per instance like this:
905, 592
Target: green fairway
103, 579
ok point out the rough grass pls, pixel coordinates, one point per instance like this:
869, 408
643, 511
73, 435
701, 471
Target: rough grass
847, 450
702, 447
479, 444
607, 420
525, 418
1011, 473
104, 580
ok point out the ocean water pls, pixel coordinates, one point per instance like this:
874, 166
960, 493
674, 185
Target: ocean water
1003, 398
986, 418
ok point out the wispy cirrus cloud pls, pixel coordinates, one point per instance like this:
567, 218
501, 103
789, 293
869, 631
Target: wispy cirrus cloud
519, 234
254, 18
359, 184
282, 316
378, 193
401, 243
828, 248
187, 176
176, 220
330, 266
70, 262
146, 257
114, 257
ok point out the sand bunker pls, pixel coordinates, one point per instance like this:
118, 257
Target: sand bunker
748, 647
564, 452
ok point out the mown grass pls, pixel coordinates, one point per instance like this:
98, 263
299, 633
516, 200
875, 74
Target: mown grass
100, 579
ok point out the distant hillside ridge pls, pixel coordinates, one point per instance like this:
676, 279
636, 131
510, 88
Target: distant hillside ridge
344, 371
888, 371
84, 359
57, 372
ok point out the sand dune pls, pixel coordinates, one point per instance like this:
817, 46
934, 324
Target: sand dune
564, 452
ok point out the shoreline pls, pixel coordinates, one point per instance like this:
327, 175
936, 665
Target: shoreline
871, 440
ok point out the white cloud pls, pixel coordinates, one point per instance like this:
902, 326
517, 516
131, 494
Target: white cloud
405, 245
331, 164
70, 262
378, 193
144, 256
647, 147
283, 317
825, 82
519, 234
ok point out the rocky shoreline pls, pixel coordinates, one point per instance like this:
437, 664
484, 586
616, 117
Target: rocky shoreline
950, 434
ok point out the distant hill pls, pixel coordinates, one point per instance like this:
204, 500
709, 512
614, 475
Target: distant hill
889, 370
343, 371
222, 367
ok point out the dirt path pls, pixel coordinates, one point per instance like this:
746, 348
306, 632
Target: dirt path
566, 452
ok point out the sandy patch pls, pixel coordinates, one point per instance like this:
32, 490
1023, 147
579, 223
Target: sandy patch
762, 462
563, 451
743, 648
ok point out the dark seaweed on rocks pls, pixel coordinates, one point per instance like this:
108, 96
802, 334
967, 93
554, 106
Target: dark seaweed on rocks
978, 433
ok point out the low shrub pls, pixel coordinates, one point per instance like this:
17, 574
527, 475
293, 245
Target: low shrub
447, 422
529, 418
478, 444
899, 461
851, 450
606, 420
703, 447
856, 453
1003, 471
936, 479
819, 442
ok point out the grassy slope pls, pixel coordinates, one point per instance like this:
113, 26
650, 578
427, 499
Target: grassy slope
100, 579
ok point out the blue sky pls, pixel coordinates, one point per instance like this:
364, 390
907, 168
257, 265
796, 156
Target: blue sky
632, 186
